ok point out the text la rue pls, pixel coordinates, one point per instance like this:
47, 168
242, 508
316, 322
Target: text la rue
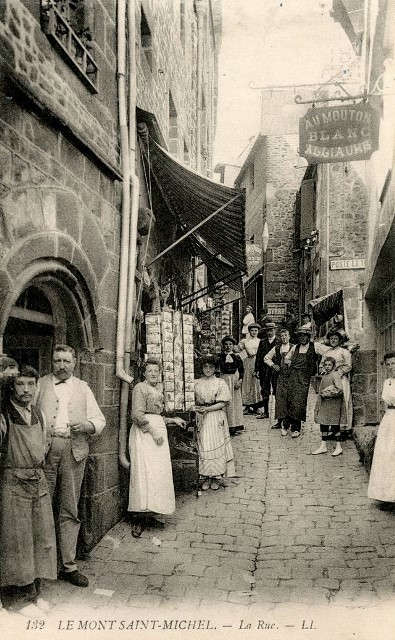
264, 625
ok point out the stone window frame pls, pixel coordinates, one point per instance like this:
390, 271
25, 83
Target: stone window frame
65, 24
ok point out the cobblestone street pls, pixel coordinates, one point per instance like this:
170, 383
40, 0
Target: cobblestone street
294, 538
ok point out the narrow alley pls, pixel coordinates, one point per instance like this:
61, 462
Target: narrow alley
294, 538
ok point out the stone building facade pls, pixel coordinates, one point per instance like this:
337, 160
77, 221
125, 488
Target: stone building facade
60, 186
355, 204
271, 177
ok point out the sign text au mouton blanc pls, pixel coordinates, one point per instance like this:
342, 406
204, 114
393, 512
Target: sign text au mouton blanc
338, 134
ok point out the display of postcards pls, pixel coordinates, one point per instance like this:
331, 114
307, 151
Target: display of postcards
178, 359
179, 401
152, 318
153, 330
169, 386
170, 406
154, 349
167, 326
189, 397
179, 378
189, 368
167, 316
167, 336
188, 377
189, 387
168, 367
168, 351
154, 339
169, 396
168, 376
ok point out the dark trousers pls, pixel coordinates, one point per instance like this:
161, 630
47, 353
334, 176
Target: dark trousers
267, 381
17, 597
295, 425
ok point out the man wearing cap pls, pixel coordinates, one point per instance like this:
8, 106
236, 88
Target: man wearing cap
302, 360
73, 416
275, 360
267, 375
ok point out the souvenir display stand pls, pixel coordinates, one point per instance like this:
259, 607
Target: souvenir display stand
169, 336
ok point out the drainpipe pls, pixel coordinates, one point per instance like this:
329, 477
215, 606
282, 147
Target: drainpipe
129, 213
199, 80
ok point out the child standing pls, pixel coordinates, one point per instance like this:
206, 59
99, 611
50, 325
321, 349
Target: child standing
328, 407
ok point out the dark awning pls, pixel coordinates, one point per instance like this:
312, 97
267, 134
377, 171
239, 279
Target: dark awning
192, 198
323, 309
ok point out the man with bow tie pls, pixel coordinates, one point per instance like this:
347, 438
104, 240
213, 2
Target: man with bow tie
72, 416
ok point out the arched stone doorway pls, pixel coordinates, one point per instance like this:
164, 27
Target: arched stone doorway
47, 311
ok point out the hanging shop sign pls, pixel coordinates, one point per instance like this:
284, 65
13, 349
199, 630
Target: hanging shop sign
339, 134
356, 263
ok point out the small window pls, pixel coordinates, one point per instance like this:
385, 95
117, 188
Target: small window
65, 24
146, 39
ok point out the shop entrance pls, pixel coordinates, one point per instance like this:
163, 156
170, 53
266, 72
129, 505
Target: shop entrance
44, 314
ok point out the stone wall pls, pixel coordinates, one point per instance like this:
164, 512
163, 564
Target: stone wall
174, 63
284, 174
60, 198
28, 57
348, 215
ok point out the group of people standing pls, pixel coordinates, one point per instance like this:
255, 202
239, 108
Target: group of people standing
45, 428
275, 366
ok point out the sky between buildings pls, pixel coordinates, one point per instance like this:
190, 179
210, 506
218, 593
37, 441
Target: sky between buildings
269, 42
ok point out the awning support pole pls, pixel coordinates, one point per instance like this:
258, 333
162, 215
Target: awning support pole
220, 306
195, 228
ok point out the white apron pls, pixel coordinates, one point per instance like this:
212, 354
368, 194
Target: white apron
151, 478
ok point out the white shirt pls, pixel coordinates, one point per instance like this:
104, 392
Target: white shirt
63, 393
62, 390
268, 359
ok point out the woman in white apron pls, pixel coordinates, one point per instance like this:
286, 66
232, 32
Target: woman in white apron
151, 489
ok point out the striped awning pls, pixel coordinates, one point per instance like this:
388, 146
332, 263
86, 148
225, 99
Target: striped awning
323, 309
192, 198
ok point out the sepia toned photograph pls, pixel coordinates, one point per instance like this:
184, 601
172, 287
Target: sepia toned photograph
197, 319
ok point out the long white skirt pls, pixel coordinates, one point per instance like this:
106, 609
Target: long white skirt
151, 485
382, 476
215, 449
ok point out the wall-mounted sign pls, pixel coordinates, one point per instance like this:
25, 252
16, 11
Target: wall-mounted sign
276, 310
347, 264
254, 257
339, 134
